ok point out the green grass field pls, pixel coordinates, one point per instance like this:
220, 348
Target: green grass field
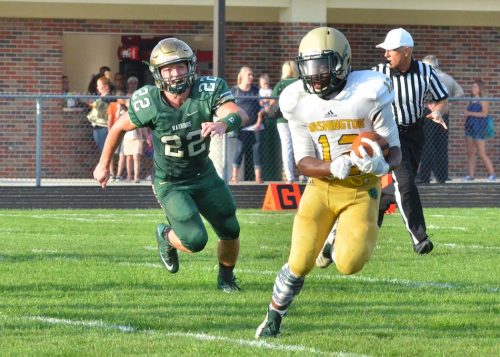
89, 283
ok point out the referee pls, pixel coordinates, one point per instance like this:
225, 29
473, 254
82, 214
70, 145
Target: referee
412, 81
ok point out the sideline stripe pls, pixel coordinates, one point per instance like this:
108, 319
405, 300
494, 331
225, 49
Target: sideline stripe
196, 336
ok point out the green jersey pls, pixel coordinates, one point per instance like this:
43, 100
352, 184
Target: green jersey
278, 88
180, 152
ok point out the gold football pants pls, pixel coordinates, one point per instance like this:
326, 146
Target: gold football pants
354, 202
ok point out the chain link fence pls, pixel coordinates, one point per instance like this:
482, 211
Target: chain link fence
47, 140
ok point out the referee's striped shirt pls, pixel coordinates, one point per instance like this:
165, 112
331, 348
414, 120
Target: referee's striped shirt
411, 89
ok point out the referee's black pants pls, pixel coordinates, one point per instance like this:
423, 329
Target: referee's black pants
435, 152
406, 191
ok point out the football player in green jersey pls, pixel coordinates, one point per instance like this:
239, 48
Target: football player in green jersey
183, 113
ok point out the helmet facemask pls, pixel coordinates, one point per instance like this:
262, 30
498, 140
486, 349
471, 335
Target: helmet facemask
177, 84
169, 52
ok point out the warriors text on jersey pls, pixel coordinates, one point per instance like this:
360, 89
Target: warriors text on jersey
180, 152
326, 128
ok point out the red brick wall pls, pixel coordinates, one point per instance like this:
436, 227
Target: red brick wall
31, 62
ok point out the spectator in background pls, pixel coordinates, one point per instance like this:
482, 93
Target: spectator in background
104, 71
119, 83
476, 122
289, 74
65, 84
264, 91
132, 85
71, 103
435, 151
98, 116
68, 102
115, 110
133, 140
249, 136
132, 149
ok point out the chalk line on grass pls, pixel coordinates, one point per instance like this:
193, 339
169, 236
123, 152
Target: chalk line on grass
192, 335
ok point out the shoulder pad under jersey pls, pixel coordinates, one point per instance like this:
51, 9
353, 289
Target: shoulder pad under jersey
290, 96
143, 105
213, 90
375, 86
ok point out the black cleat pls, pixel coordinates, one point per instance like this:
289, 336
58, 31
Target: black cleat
270, 327
423, 247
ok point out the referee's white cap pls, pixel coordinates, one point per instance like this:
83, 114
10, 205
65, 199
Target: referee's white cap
396, 38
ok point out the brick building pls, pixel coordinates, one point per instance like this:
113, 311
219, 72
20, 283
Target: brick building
262, 34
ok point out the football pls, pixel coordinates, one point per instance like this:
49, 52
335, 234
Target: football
384, 145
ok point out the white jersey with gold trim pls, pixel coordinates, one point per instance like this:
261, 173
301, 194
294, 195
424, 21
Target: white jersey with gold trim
326, 128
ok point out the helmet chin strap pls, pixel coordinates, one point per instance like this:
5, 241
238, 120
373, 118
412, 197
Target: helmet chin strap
179, 84
336, 89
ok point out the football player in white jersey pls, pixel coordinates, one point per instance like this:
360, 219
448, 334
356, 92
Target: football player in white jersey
326, 110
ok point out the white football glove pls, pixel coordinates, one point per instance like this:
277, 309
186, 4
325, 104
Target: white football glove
375, 165
341, 166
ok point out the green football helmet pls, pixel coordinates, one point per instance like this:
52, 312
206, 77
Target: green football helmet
324, 60
167, 52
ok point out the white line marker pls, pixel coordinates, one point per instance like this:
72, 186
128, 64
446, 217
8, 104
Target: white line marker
193, 335
401, 282
44, 251
466, 246
451, 228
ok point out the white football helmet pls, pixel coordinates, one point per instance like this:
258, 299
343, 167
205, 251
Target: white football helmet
169, 51
324, 60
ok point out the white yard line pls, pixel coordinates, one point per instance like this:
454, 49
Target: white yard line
451, 228
190, 335
394, 281
447, 245
403, 282
85, 217
368, 279
45, 251
467, 246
